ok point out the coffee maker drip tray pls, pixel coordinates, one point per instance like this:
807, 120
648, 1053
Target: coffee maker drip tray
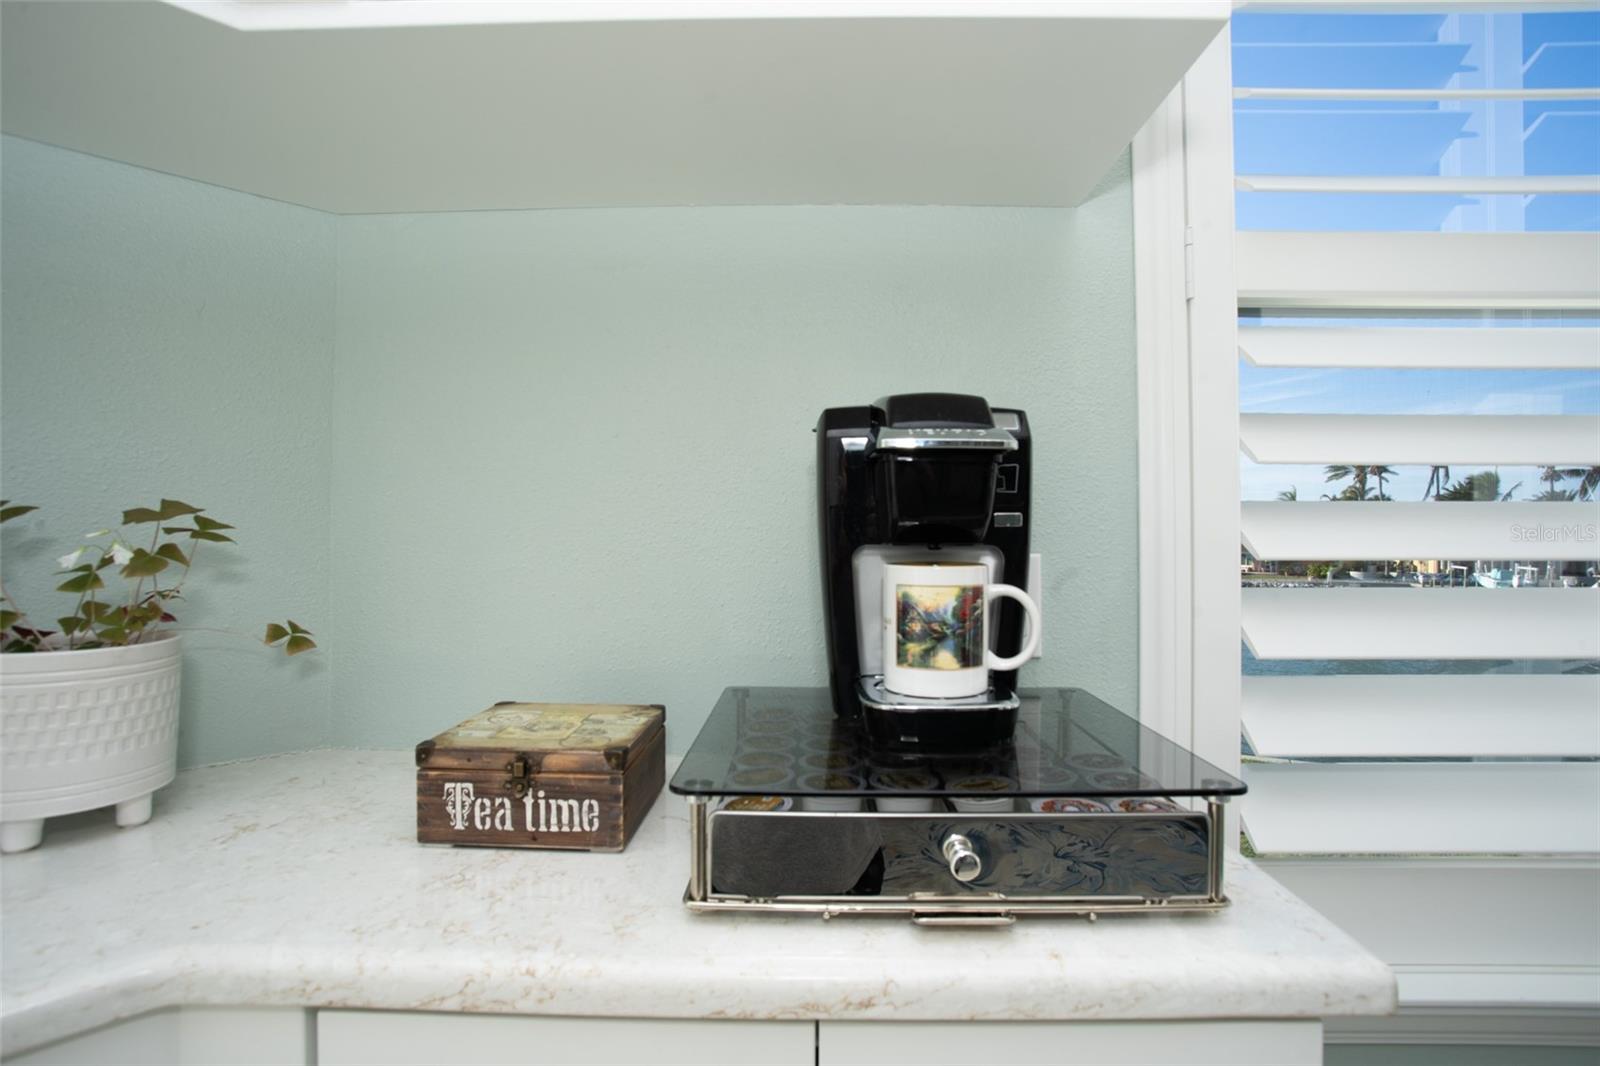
875, 697
1080, 810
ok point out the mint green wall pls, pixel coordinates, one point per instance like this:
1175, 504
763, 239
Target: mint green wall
164, 337
573, 456
486, 455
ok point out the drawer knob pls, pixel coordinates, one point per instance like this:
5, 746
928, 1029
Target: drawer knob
964, 862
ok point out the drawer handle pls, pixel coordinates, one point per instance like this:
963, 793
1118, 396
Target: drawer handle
991, 920
964, 862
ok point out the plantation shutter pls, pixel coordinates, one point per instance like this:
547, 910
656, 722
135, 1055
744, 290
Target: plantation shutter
1433, 716
1531, 718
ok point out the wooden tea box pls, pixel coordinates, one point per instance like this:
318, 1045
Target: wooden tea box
542, 775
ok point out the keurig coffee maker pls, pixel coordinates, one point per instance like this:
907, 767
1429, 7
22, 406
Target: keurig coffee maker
921, 478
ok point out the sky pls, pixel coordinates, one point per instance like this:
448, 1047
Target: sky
1471, 138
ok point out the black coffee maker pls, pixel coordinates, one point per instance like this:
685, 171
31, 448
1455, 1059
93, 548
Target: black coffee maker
908, 479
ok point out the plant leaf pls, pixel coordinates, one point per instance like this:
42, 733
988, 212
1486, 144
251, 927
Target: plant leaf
138, 516
175, 509
171, 551
8, 618
114, 635
8, 510
295, 627
17, 645
275, 633
176, 529
206, 534
143, 564
94, 610
299, 643
209, 523
81, 583
70, 624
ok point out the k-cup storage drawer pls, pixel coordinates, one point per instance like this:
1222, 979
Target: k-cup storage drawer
1151, 857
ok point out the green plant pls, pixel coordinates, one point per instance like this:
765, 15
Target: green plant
1484, 485
97, 620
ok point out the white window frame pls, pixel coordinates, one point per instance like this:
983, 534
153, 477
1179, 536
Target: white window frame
1188, 383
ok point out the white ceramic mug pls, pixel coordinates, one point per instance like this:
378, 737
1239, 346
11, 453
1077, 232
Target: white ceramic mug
936, 628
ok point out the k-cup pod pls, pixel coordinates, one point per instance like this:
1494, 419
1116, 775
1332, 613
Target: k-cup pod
769, 722
983, 794
1068, 805
832, 759
766, 742
1143, 805
824, 786
1121, 779
754, 760
822, 725
778, 715
1096, 760
975, 766
897, 791
759, 777
758, 803
1057, 778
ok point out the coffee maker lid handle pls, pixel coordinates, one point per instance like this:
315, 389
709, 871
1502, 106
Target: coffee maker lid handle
895, 438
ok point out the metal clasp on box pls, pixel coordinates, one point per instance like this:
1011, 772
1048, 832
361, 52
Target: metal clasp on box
518, 781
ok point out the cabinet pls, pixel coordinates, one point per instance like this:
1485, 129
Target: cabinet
188, 1036
395, 1038
217, 1036
1196, 1043
439, 105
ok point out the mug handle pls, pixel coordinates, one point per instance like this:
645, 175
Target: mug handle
1031, 644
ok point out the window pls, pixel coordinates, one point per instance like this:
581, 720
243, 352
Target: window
1419, 427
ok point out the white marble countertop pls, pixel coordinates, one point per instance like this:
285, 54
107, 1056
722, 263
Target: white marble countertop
296, 880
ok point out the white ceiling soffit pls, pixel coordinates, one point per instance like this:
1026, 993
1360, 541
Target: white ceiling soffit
626, 104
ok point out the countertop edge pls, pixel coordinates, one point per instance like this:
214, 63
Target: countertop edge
160, 980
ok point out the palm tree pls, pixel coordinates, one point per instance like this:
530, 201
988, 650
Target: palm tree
1551, 475
1589, 483
1358, 475
1381, 472
1438, 476
1289, 495
1484, 485
1356, 490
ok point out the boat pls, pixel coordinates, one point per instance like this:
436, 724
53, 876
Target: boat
1515, 577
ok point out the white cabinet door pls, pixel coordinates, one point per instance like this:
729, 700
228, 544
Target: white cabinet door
186, 1036
403, 1038
1199, 1043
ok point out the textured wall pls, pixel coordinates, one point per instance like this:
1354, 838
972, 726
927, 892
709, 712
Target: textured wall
163, 337
573, 454
544, 454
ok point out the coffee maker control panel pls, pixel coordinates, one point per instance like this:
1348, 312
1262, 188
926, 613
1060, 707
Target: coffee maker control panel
907, 440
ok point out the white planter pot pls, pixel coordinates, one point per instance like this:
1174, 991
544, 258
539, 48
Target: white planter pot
85, 729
